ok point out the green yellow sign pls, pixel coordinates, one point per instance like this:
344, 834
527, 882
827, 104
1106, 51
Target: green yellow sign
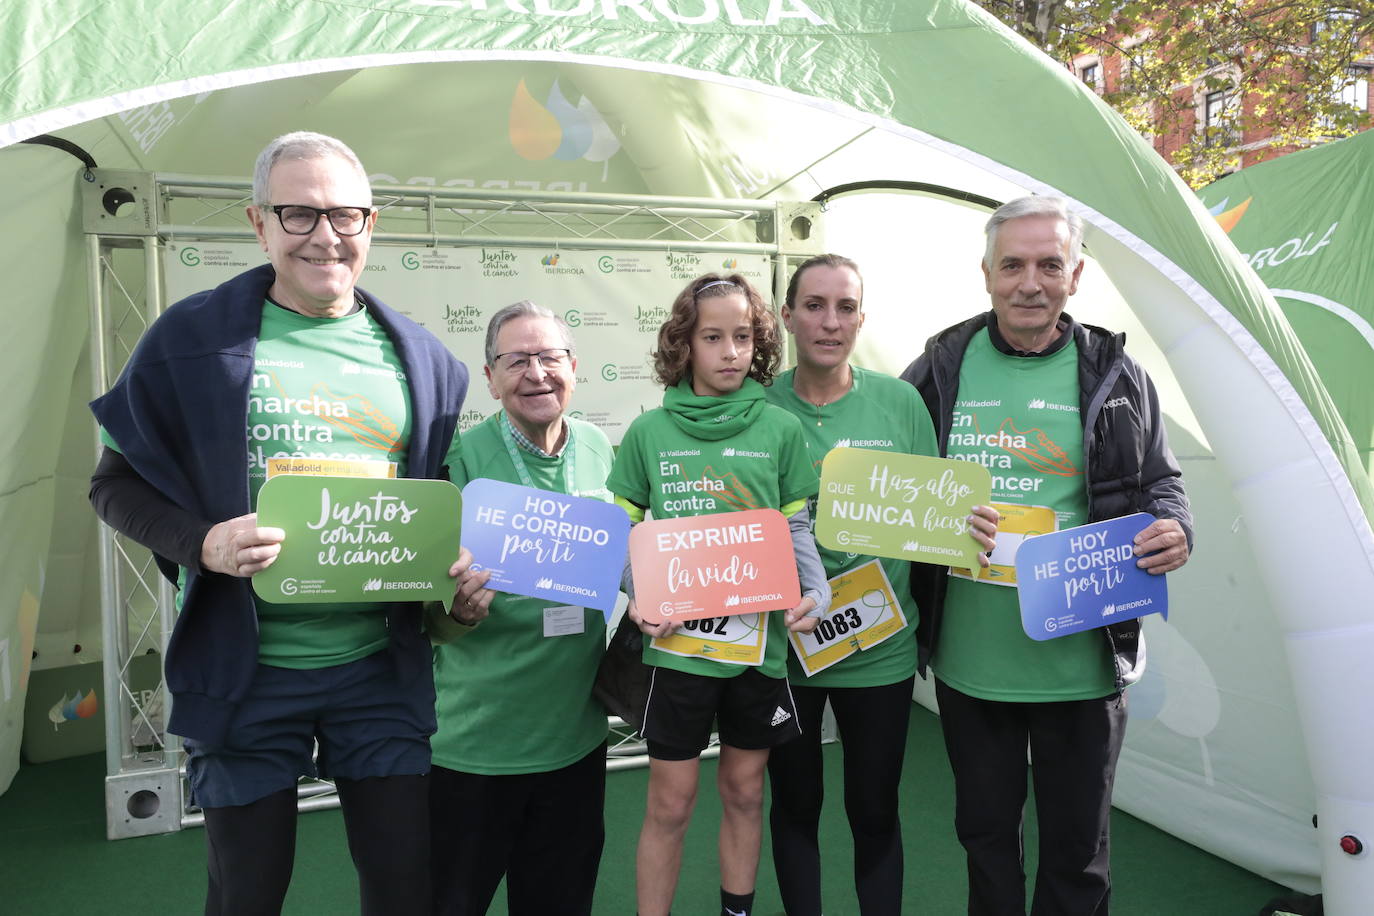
359, 539
910, 507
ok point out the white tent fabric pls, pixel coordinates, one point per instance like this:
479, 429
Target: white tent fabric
733, 98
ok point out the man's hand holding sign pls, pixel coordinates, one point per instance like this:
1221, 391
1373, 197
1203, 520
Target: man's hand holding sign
240, 547
544, 544
471, 597
1162, 546
1087, 577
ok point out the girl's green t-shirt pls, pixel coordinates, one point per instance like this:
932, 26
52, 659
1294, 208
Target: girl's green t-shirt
763, 466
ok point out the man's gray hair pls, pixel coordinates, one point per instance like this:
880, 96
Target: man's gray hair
1035, 206
301, 144
523, 309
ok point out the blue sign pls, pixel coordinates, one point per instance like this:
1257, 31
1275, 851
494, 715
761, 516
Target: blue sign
1083, 578
547, 545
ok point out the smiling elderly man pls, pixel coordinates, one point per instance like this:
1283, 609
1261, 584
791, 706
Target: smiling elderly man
256, 685
1071, 426
519, 779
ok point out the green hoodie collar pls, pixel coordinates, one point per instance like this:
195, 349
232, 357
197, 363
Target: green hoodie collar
714, 417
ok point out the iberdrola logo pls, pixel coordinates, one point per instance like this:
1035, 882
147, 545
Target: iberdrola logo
559, 129
1227, 219
549, 260
729, 264
69, 710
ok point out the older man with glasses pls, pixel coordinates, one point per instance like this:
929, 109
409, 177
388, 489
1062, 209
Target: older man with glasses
263, 367
519, 776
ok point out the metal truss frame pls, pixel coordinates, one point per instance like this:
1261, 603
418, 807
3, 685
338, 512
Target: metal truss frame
130, 217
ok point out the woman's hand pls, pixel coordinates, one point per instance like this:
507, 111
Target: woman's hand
983, 529
798, 622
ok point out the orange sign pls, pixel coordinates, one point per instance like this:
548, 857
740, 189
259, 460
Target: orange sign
713, 565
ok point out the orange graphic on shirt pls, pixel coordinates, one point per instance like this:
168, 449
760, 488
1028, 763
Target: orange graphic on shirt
735, 494
365, 424
1040, 451
384, 434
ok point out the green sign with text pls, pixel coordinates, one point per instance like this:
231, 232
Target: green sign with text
359, 539
888, 504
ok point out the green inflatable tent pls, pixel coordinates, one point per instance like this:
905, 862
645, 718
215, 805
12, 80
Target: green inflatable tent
1255, 702
1302, 222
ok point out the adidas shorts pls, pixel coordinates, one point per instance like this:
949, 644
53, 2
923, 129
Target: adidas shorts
752, 712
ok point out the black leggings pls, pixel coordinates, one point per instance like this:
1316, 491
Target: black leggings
873, 725
251, 848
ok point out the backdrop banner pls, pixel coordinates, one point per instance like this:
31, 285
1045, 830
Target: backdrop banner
614, 301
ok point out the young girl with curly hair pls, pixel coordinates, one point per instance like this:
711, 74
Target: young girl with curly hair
717, 446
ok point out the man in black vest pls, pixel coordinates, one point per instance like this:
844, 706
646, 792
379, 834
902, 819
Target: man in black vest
1070, 428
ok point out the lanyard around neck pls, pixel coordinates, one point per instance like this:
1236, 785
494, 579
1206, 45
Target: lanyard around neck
518, 460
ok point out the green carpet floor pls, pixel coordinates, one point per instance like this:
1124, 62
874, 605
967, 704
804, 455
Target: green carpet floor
54, 858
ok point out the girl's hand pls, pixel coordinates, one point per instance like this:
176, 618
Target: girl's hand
656, 630
798, 622
983, 529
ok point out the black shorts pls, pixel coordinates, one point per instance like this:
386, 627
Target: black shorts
754, 712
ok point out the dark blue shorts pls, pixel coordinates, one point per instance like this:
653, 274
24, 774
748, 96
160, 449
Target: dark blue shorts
366, 723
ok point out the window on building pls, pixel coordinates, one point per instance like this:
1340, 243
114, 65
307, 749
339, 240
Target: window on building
1354, 89
1092, 75
1336, 19
1135, 60
1219, 109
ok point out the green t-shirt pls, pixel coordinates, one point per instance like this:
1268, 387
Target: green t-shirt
508, 698
887, 414
323, 388
1018, 416
676, 475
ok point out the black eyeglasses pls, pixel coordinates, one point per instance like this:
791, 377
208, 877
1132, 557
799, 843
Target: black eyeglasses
298, 219
517, 362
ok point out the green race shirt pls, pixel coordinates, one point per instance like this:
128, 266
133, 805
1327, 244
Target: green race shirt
1019, 417
674, 474
887, 414
508, 698
323, 388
